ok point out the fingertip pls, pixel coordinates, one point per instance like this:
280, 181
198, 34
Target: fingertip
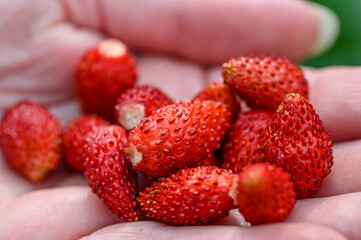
328, 29
214, 32
340, 213
335, 90
61, 213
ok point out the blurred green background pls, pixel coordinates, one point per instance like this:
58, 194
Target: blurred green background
347, 48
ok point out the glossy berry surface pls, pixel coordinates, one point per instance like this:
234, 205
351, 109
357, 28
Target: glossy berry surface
102, 75
299, 144
190, 196
219, 91
263, 81
31, 140
177, 136
265, 194
77, 135
110, 175
245, 142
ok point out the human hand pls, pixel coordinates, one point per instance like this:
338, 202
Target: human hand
38, 51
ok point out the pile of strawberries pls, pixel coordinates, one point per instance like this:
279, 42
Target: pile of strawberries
206, 155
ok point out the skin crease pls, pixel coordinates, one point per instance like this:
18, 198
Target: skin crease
38, 51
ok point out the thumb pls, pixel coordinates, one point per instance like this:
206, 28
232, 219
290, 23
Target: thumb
212, 31
152, 230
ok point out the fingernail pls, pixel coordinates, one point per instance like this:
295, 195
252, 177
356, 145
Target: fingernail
328, 29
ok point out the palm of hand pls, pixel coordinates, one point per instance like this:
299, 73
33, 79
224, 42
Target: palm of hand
38, 54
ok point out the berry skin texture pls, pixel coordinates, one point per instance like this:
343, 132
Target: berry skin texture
209, 161
219, 91
177, 136
138, 103
31, 140
263, 81
265, 194
245, 142
77, 135
110, 175
190, 196
299, 144
102, 75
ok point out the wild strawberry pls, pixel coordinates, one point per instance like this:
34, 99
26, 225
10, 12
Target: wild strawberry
76, 135
265, 193
177, 136
209, 161
219, 91
110, 175
102, 75
31, 140
264, 81
190, 196
299, 144
246, 139
138, 103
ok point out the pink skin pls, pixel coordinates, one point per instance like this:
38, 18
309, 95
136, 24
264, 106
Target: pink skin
41, 41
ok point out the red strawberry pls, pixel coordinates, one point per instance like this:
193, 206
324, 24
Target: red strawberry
264, 81
102, 75
265, 194
31, 140
219, 91
138, 103
76, 135
177, 136
110, 175
209, 161
246, 140
191, 196
299, 143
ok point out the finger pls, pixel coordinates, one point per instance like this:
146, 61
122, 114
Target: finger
212, 31
336, 95
342, 213
179, 79
62, 213
157, 231
37, 61
66, 111
13, 184
73, 178
345, 174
